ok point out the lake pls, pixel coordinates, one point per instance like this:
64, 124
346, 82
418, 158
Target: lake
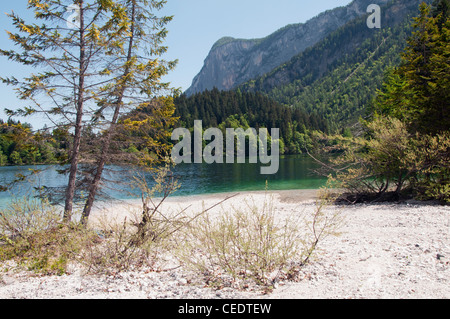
295, 172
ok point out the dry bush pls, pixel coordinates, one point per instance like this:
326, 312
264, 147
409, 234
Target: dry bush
145, 239
253, 245
33, 235
27, 215
140, 238
113, 252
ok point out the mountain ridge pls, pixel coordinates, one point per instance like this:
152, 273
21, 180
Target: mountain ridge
338, 77
232, 62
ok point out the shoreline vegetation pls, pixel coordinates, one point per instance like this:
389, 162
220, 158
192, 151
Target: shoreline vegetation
245, 243
382, 250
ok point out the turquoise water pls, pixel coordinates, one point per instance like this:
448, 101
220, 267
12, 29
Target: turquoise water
295, 172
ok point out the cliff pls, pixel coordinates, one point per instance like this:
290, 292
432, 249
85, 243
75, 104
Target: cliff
232, 62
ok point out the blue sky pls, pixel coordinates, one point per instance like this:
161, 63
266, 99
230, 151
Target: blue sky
197, 25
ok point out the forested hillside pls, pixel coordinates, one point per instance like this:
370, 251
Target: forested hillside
337, 79
233, 109
327, 88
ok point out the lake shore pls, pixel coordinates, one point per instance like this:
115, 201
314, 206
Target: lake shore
386, 250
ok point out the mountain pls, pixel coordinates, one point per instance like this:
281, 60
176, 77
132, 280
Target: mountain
232, 62
338, 77
327, 87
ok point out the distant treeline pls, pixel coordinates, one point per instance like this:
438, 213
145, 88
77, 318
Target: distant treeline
233, 109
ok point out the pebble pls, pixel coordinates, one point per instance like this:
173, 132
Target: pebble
384, 251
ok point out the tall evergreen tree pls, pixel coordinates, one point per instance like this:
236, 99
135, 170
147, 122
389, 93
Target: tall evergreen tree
91, 72
418, 91
138, 79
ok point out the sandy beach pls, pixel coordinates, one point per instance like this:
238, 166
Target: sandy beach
389, 250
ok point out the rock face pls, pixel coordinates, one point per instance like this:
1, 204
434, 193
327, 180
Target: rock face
234, 61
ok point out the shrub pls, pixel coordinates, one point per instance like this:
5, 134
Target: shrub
254, 245
392, 163
144, 237
26, 216
32, 234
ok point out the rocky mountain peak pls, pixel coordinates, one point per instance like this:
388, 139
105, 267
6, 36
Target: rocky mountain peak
232, 62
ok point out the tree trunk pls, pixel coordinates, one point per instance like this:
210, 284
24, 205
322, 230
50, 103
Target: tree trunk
75, 156
399, 185
107, 141
100, 167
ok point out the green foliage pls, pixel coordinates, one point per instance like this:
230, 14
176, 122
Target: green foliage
441, 10
15, 158
233, 109
3, 159
418, 91
335, 81
393, 163
20, 146
431, 157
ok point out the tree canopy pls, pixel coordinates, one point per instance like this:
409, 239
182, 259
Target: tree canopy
90, 75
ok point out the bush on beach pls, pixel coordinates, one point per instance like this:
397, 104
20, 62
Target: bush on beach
33, 235
253, 245
237, 247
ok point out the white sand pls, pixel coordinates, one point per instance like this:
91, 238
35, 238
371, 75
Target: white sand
384, 251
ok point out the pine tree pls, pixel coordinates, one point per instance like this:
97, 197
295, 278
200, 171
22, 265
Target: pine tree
70, 57
91, 72
137, 82
417, 92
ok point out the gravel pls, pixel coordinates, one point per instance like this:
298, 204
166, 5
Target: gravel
384, 251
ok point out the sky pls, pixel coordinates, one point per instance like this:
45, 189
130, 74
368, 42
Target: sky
196, 26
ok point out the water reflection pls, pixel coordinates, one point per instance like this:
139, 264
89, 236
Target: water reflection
295, 172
